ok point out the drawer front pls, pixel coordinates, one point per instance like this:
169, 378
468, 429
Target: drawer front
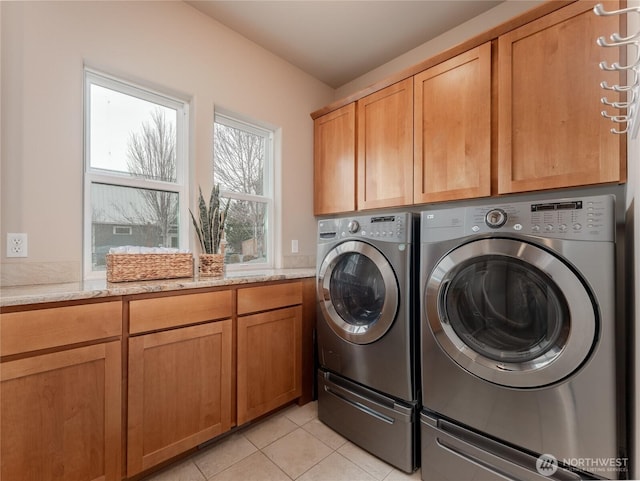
165, 312
264, 298
59, 326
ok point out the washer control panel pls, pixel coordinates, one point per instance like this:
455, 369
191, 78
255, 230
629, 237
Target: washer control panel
384, 227
585, 218
495, 218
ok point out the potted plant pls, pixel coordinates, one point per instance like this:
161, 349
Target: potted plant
209, 226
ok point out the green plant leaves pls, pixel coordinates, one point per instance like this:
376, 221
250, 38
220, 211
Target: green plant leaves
211, 220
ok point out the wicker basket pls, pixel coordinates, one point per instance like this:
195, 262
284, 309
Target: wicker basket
144, 267
211, 265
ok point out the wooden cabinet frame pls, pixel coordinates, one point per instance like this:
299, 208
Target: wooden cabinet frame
550, 131
167, 383
269, 361
385, 147
452, 122
171, 408
334, 169
54, 435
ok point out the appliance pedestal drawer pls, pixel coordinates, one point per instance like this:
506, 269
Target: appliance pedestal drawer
451, 453
381, 425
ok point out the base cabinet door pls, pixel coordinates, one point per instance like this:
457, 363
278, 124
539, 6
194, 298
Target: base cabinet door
61, 415
269, 358
179, 391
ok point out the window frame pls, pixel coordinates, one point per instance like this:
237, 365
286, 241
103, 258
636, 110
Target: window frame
94, 175
128, 227
233, 120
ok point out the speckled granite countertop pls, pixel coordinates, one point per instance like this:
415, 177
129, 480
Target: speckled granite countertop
21, 295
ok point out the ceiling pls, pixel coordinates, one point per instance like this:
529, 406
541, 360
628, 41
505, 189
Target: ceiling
337, 41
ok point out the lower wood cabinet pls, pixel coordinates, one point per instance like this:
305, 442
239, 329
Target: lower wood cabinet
61, 392
269, 359
179, 391
61, 415
193, 365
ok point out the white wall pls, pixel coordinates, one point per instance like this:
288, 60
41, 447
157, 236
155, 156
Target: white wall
489, 19
633, 205
166, 45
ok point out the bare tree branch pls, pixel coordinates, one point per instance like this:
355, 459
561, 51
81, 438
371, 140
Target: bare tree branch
152, 155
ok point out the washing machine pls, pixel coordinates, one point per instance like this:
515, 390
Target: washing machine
367, 333
519, 377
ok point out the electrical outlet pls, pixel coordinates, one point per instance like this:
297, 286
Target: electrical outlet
16, 245
294, 246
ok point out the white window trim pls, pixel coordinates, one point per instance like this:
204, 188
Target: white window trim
128, 228
100, 176
234, 120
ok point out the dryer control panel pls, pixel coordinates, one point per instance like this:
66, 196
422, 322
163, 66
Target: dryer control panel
384, 227
586, 218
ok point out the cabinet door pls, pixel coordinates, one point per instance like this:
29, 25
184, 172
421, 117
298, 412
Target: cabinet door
61, 415
334, 171
179, 391
550, 131
269, 360
385, 147
452, 122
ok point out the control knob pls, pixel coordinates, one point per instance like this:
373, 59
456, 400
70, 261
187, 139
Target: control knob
353, 226
495, 218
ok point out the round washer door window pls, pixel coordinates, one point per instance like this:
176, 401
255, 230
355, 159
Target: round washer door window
511, 312
358, 292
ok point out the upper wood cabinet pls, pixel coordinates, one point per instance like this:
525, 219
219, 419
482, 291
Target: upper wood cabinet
385, 147
550, 131
334, 172
452, 128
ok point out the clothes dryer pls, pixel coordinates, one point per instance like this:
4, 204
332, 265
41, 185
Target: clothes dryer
367, 333
518, 342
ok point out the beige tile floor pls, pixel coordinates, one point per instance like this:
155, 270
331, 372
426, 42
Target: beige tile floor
289, 445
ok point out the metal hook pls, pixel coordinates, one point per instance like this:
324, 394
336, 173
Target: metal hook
617, 38
632, 103
599, 10
615, 66
614, 131
621, 105
615, 105
618, 88
635, 82
618, 41
615, 118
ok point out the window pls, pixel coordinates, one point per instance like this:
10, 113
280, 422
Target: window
122, 230
243, 165
136, 190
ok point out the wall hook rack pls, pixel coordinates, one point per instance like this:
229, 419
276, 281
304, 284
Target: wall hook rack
630, 118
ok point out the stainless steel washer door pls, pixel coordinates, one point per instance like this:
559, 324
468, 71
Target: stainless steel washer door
510, 312
357, 292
